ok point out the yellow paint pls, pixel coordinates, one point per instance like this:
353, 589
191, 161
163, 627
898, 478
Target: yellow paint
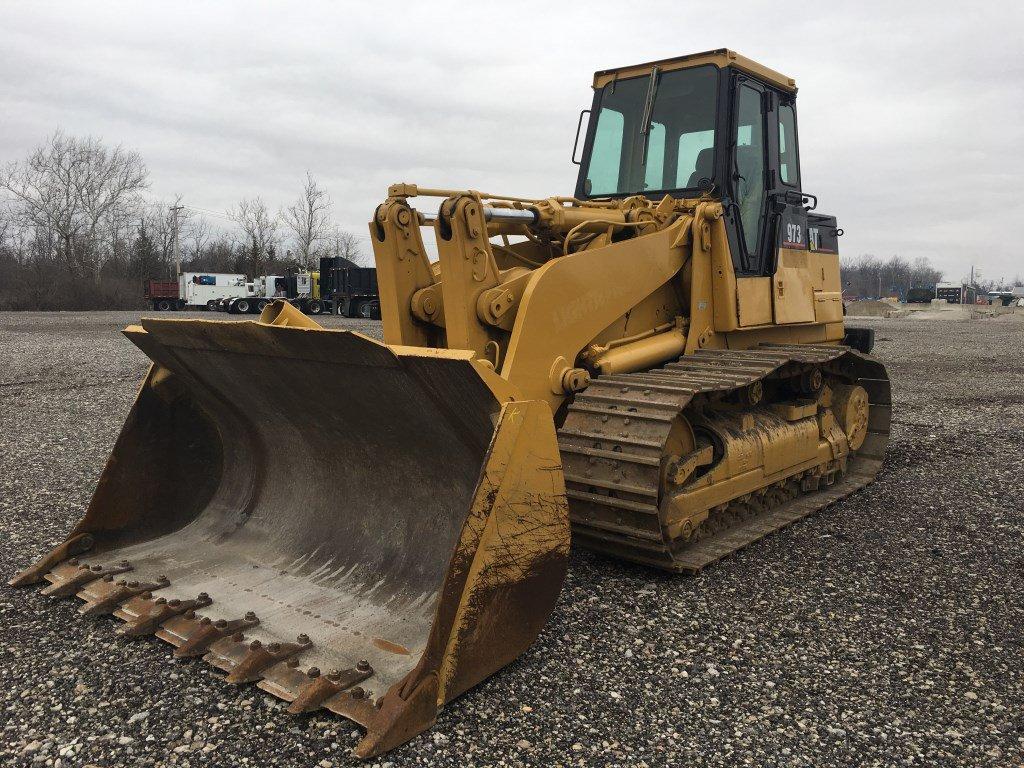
792, 288
719, 58
754, 295
519, 519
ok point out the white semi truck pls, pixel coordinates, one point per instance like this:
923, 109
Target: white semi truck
260, 292
202, 290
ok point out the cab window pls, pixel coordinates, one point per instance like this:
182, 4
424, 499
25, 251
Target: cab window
655, 158
674, 152
749, 170
696, 162
603, 173
788, 167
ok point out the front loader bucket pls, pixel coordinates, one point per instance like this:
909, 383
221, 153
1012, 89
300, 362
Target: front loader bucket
362, 528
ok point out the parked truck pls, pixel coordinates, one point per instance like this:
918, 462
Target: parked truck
162, 295
348, 289
260, 292
304, 292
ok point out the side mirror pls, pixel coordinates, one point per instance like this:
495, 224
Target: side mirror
579, 128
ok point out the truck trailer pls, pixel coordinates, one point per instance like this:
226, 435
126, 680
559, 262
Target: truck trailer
348, 289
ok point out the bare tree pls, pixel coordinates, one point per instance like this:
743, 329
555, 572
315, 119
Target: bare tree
345, 243
7, 232
259, 229
198, 235
309, 221
159, 224
76, 189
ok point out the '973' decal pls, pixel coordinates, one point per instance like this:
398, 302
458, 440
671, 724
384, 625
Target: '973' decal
794, 234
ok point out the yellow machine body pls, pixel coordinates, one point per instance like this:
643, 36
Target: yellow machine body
638, 366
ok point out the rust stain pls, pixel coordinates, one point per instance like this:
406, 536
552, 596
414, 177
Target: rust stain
387, 645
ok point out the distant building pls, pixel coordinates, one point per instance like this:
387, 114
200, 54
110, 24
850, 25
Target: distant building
956, 293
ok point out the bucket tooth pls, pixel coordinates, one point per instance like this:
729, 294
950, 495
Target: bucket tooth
246, 662
193, 635
103, 596
76, 545
355, 704
70, 576
224, 654
144, 615
310, 690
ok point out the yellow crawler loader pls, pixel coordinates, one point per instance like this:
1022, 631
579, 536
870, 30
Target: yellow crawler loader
656, 367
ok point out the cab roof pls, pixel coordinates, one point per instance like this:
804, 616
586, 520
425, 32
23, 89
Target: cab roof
721, 57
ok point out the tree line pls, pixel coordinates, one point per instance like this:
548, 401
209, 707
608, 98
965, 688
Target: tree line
77, 231
869, 277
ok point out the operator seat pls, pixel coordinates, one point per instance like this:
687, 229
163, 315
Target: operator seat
703, 168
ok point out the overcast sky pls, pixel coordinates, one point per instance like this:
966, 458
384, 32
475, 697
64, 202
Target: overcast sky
910, 113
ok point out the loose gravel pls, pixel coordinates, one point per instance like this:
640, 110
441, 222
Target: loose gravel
886, 630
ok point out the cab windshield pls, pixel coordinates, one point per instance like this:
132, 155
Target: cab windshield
654, 133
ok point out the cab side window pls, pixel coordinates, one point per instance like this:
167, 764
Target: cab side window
750, 165
603, 174
789, 168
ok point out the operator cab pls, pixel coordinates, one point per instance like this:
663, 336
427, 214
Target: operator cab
712, 124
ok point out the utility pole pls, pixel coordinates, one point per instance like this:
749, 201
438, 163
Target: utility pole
177, 238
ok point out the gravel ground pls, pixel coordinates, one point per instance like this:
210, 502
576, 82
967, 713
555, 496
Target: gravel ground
886, 630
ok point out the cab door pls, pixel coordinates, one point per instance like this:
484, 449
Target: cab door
793, 283
747, 210
796, 273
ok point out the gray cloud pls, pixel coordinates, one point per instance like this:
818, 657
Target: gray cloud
911, 114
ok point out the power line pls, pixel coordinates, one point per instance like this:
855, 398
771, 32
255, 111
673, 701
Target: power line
208, 212
222, 216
